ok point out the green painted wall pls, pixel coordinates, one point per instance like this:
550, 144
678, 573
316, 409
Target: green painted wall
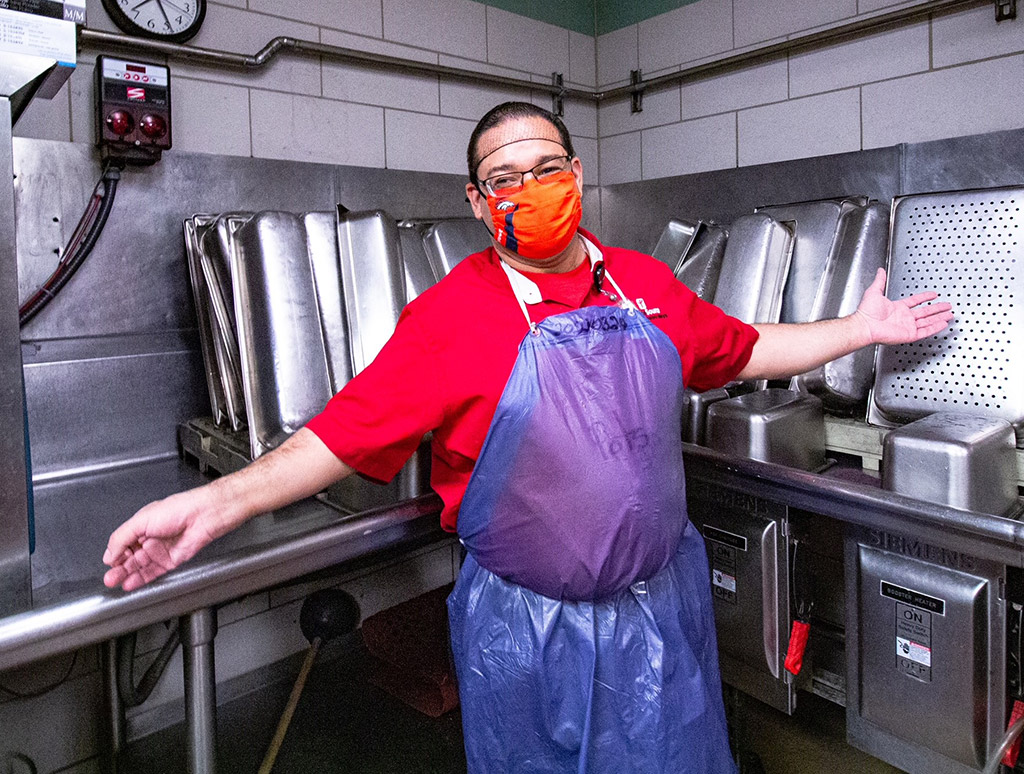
591, 17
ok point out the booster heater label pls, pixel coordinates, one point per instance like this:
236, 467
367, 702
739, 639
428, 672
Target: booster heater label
914, 613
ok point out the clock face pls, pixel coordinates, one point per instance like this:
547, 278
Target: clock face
173, 20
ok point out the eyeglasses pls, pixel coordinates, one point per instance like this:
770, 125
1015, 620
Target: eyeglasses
508, 183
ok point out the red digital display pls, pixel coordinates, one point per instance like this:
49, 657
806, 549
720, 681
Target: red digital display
132, 68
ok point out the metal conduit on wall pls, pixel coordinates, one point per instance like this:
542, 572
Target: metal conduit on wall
558, 91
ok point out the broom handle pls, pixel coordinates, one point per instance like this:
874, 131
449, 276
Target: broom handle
289, 709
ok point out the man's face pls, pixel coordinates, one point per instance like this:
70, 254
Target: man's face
504, 153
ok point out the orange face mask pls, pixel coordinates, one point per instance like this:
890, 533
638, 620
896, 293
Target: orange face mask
540, 220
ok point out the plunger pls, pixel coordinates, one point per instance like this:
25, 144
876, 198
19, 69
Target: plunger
325, 614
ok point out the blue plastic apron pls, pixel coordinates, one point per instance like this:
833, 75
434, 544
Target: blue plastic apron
581, 622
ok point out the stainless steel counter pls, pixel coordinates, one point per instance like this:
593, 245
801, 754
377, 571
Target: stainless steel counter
71, 607
829, 494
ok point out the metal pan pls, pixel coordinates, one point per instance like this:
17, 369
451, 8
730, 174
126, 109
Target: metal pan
200, 295
754, 268
816, 226
284, 366
702, 262
969, 247
844, 384
419, 274
675, 242
216, 244
374, 281
322, 245
449, 241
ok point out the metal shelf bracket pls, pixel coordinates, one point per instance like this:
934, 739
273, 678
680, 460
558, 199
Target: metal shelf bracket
636, 96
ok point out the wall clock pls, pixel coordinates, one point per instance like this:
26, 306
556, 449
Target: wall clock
171, 20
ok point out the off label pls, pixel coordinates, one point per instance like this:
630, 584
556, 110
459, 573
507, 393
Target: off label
723, 572
914, 642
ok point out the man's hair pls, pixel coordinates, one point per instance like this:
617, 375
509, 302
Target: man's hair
509, 111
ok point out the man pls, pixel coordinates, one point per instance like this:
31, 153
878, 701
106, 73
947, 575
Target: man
550, 370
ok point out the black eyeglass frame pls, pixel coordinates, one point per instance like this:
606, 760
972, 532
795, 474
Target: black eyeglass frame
485, 188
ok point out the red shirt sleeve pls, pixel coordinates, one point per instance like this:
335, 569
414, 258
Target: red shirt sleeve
723, 346
379, 418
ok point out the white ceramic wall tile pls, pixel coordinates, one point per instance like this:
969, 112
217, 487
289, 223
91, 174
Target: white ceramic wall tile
867, 6
587, 151
453, 26
974, 34
526, 44
47, 119
231, 29
482, 67
579, 115
661, 106
684, 34
211, 118
971, 99
361, 16
800, 128
582, 59
287, 126
620, 159
376, 46
700, 145
426, 143
377, 85
96, 17
462, 99
876, 57
758, 20
757, 85
617, 53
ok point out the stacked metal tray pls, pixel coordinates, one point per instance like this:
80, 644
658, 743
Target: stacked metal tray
290, 307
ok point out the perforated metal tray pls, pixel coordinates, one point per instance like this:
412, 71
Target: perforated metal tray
754, 268
968, 246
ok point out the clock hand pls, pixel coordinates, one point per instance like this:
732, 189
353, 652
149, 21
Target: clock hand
164, 13
175, 7
140, 5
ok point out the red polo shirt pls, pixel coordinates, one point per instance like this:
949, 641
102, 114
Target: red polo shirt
446, 365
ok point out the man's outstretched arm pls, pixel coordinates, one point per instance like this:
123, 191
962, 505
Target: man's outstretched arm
168, 532
785, 350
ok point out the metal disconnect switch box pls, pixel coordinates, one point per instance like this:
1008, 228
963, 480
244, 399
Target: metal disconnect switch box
926, 653
746, 538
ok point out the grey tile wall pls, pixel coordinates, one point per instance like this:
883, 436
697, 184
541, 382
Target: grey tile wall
950, 75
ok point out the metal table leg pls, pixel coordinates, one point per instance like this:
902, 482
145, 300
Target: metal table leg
116, 730
197, 632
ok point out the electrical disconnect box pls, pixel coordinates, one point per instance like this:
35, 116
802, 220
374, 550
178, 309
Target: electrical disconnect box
133, 110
